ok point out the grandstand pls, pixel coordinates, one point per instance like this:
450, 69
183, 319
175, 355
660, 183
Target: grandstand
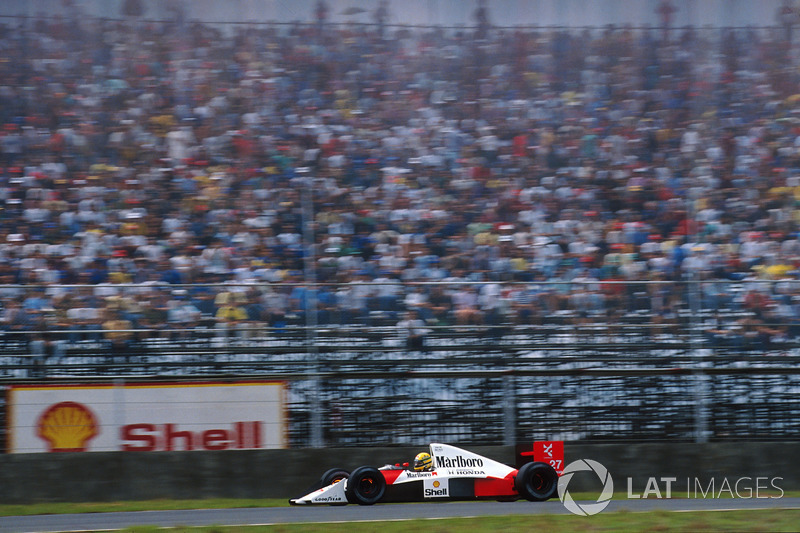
595, 229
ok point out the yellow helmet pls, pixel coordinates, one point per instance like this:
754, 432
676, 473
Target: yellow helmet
423, 461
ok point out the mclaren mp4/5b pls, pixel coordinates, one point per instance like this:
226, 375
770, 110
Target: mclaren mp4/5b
447, 473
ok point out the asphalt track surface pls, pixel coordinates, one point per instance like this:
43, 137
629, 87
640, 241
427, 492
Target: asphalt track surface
355, 513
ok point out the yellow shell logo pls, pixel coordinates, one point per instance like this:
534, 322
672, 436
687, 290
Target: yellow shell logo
67, 427
436, 484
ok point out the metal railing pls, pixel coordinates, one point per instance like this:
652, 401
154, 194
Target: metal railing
626, 372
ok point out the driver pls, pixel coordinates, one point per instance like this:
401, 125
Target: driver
423, 462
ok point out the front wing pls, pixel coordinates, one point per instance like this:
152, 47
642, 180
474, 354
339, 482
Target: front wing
332, 495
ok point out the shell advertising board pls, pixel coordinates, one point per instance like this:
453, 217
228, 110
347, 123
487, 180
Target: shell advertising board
147, 417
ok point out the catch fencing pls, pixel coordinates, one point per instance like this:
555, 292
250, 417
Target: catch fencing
625, 372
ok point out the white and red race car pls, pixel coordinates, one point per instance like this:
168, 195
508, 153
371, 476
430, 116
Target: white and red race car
457, 474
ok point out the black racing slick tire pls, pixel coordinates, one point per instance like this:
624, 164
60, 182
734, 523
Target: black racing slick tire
536, 482
365, 486
334, 475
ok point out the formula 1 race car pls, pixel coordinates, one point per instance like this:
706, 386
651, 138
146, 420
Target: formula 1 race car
455, 474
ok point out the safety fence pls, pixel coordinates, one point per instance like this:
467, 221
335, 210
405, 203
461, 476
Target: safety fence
567, 378
491, 398
621, 372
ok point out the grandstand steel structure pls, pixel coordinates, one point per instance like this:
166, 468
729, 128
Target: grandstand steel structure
565, 374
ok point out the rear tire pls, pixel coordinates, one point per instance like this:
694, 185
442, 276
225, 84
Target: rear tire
536, 482
365, 486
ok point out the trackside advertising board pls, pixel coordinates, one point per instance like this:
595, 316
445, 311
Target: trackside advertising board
146, 417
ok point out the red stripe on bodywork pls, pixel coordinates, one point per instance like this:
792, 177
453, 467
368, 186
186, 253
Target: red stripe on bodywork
391, 475
495, 486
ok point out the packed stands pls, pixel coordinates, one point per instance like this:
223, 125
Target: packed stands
189, 194
133, 153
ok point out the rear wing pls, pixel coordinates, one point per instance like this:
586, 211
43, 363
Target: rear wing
550, 452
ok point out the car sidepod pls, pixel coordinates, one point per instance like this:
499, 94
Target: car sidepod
444, 485
458, 475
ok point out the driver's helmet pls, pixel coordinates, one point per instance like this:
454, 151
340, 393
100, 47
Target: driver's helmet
423, 462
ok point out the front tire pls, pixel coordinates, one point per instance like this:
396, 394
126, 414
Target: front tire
536, 482
334, 475
365, 486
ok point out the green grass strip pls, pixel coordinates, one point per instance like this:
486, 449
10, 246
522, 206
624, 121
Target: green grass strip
622, 522
218, 503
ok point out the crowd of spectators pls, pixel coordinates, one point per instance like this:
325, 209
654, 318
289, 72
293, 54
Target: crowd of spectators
618, 162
